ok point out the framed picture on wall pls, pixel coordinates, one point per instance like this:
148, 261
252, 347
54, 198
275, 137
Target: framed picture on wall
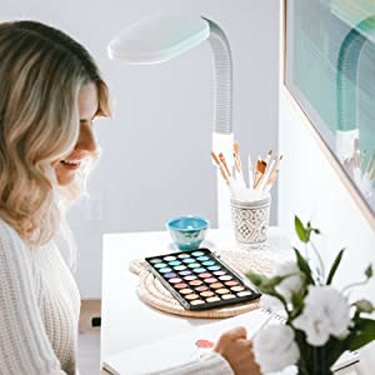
330, 73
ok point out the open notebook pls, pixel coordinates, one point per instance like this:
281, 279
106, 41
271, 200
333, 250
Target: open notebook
163, 354
182, 348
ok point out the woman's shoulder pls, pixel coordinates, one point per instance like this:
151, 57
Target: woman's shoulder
9, 237
7, 231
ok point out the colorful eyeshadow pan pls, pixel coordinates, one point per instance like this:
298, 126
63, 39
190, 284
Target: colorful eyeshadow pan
184, 273
183, 256
205, 275
186, 291
203, 258
243, 294
201, 288
231, 283
208, 263
190, 277
216, 285
210, 280
179, 268
213, 268
161, 265
194, 265
225, 278
169, 258
170, 275
199, 270
181, 286
195, 283
207, 294
213, 299
155, 260
237, 288
222, 291
175, 280
165, 270
197, 302
192, 296
189, 260
199, 280
174, 263
219, 273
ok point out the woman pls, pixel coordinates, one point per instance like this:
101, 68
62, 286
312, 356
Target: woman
50, 93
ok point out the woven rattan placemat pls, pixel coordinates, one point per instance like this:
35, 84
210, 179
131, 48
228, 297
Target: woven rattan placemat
153, 293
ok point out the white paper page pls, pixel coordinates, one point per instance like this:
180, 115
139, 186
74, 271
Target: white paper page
179, 349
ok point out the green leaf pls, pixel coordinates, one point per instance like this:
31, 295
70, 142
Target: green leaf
369, 272
255, 278
362, 334
365, 306
300, 229
304, 266
334, 267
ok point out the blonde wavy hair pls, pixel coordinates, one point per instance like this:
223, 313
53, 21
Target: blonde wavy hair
41, 73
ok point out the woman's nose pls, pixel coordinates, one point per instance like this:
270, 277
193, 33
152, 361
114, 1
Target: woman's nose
86, 141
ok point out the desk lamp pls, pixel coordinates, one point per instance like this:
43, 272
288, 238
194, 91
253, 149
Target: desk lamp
160, 38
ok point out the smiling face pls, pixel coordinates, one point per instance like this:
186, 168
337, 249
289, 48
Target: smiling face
67, 168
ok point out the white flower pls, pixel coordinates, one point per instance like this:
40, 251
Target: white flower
292, 284
275, 348
326, 313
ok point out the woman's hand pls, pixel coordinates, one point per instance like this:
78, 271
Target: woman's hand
234, 346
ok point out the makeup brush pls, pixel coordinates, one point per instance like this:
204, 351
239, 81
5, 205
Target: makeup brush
224, 164
268, 157
266, 165
250, 170
225, 173
222, 171
263, 180
238, 192
260, 169
274, 173
238, 166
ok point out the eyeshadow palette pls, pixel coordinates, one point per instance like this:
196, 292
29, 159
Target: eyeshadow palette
199, 280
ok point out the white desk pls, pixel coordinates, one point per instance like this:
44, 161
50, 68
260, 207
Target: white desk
126, 321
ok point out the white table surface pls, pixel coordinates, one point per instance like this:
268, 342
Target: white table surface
126, 321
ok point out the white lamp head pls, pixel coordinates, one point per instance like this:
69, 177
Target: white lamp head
158, 38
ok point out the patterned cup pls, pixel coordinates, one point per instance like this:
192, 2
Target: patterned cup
251, 220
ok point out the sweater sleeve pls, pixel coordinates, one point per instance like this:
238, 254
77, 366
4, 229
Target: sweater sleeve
24, 345
209, 364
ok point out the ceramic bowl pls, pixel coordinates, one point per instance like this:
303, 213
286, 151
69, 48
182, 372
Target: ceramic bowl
188, 231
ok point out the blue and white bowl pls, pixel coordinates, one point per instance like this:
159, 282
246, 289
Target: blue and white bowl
188, 231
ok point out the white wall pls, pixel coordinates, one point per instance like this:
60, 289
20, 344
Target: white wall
310, 188
156, 160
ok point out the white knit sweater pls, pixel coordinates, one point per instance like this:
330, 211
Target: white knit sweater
39, 309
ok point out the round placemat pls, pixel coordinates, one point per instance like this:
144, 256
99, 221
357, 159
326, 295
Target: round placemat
153, 293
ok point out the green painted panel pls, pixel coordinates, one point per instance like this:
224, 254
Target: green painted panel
330, 70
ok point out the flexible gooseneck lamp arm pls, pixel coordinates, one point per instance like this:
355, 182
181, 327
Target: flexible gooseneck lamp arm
222, 58
160, 38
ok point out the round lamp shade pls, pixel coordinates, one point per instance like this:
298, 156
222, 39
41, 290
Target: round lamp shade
158, 38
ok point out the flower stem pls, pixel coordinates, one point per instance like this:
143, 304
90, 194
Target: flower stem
320, 260
358, 283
